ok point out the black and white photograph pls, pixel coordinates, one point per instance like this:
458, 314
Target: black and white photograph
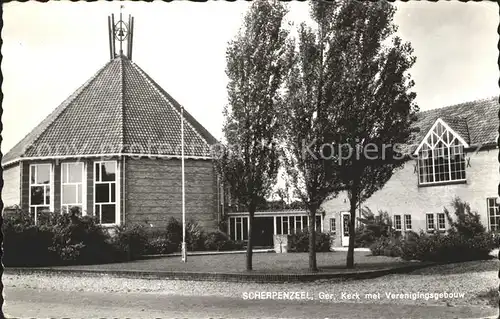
250, 159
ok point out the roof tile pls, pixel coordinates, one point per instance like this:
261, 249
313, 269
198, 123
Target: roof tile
474, 121
119, 110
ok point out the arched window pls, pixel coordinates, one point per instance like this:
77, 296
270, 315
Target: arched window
441, 156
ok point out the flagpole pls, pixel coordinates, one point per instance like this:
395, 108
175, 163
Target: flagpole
183, 246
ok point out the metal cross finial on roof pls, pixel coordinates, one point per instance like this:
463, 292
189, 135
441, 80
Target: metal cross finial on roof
120, 31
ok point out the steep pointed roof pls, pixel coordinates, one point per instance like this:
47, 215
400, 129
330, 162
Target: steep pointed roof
475, 121
120, 110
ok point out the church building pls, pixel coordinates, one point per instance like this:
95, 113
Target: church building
113, 149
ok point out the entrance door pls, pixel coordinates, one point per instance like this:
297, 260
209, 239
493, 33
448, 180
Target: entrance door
263, 231
345, 229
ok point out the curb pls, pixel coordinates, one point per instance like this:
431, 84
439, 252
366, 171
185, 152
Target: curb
225, 277
230, 252
206, 253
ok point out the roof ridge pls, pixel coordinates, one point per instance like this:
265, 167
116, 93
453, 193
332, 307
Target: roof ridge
169, 99
59, 110
122, 105
457, 117
462, 103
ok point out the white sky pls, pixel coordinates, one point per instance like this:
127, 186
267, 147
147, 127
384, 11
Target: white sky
50, 49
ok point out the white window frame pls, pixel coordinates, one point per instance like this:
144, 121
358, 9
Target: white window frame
83, 184
298, 220
117, 192
285, 219
496, 212
400, 228
430, 141
405, 222
51, 192
333, 222
427, 222
444, 221
295, 220
236, 221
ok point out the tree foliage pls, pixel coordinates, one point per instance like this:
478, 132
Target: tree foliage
466, 222
372, 227
255, 67
308, 121
375, 106
350, 100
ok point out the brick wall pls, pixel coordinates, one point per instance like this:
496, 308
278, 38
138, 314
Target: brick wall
89, 175
153, 191
57, 185
25, 184
11, 191
401, 194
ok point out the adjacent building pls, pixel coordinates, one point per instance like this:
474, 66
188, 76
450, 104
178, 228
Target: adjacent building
454, 154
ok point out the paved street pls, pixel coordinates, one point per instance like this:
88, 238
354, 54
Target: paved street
103, 296
25, 302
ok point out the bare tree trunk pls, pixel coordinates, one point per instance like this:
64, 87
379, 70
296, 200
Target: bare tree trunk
312, 240
352, 229
251, 212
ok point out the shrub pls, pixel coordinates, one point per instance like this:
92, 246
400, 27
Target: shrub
467, 239
132, 240
57, 239
79, 240
299, 242
386, 246
159, 245
219, 241
466, 222
496, 239
195, 236
24, 243
223, 225
174, 233
323, 242
452, 247
237, 245
372, 227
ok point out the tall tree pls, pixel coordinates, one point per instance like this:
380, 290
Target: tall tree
348, 97
308, 121
373, 106
255, 67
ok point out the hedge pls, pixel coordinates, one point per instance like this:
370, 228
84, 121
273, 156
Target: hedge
58, 239
299, 242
